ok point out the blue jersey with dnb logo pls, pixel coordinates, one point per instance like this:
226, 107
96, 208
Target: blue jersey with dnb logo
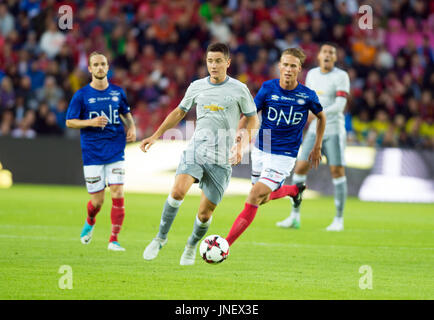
284, 115
100, 145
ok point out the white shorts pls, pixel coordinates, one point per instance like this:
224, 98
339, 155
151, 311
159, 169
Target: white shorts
271, 169
96, 176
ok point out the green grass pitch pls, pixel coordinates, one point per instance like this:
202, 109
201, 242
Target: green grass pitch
40, 227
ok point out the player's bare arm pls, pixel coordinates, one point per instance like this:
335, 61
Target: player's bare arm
100, 122
247, 130
241, 126
128, 121
315, 154
171, 121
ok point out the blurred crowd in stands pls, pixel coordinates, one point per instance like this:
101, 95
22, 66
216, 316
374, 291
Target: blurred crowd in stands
156, 48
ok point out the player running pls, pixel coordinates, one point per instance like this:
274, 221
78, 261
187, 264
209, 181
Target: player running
220, 101
97, 110
332, 86
285, 105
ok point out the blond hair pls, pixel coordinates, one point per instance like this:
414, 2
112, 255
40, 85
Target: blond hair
94, 53
295, 52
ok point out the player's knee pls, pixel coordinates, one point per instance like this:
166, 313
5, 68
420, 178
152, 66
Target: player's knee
204, 216
178, 194
117, 194
301, 168
265, 200
258, 195
337, 171
97, 203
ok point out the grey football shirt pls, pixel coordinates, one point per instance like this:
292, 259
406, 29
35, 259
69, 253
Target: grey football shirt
218, 108
327, 86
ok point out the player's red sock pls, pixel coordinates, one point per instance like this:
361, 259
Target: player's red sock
117, 216
284, 191
91, 213
242, 222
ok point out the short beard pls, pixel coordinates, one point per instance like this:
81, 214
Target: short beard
100, 78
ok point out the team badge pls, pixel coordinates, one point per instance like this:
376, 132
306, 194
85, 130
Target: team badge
301, 101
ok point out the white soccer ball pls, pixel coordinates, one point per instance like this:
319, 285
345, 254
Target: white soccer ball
214, 249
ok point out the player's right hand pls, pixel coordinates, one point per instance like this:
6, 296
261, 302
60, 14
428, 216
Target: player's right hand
147, 143
99, 122
315, 157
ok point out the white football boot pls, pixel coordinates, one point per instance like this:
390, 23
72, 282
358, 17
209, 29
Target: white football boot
188, 256
336, 225
115, 246
151, 251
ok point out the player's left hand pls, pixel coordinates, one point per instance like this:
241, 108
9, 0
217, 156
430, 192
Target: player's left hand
131, 135
236, 154
315, 157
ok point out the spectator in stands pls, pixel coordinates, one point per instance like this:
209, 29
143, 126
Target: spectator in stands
361, 126
24, 129
6, 123
50, 93
219, 29
7, 94
51, 40
7, 21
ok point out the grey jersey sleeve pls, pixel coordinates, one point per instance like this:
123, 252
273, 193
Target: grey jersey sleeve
246, 103
189, 98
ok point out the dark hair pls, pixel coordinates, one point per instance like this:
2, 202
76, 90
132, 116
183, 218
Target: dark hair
218, 47
329, 43
296, 52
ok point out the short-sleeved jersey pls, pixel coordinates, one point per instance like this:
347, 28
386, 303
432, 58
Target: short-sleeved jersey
218, 110
284, 115
100, 145
328, 86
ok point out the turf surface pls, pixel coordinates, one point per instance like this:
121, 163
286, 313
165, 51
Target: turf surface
40, 227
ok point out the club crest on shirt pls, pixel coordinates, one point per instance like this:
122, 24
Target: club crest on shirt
114, 98
301, 101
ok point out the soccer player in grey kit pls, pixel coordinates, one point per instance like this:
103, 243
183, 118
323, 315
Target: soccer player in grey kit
220, 101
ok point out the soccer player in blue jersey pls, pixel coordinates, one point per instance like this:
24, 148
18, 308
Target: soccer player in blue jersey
332, 86
100, 110
285, 105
